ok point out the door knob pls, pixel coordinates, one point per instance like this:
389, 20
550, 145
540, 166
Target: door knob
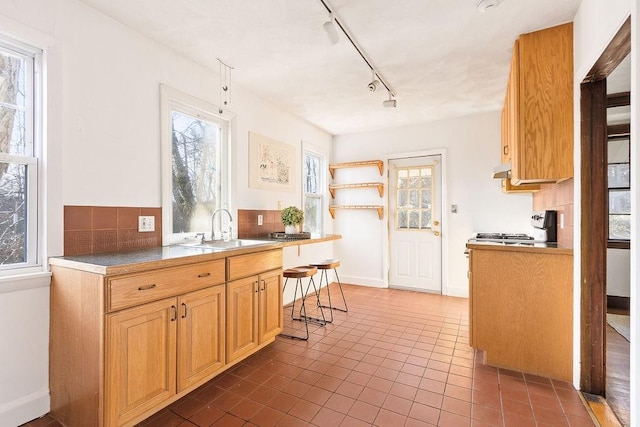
436, 222
435, 232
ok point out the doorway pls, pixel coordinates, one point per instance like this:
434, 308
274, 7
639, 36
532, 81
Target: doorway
415, 212
596, 213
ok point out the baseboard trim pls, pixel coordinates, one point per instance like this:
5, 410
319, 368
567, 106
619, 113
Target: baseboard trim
25, 409
619, 303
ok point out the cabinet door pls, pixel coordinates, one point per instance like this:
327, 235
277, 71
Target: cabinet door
270, 323
242, 317
200, 335
140, 360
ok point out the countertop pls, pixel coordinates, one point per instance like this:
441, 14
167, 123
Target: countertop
546, 248
167, 256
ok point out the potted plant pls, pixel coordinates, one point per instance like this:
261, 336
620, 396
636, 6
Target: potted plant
291, 218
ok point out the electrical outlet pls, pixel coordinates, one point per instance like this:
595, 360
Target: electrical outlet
279, 205
146, 224
259, 219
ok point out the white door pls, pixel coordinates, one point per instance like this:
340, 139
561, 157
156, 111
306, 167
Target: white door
415, 192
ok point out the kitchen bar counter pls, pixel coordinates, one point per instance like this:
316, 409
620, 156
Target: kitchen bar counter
167, 256
546, 248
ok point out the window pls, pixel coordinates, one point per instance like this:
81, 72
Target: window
195, 145
619, 182
312, 185
19, 149
414, 190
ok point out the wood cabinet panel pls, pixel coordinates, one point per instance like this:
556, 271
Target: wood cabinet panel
242, 312
521, 311
134, 289
270, 305
201, 335
537, 117
140, 360
252, 264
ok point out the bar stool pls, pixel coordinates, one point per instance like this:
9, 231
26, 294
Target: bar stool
323, 266
299, 273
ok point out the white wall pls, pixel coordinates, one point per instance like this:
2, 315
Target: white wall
595, 24
103, 148
472, 147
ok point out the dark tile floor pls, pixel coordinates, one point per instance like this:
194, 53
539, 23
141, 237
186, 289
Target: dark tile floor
396, 358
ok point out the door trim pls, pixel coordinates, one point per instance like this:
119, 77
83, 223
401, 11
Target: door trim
444, 220
593, 227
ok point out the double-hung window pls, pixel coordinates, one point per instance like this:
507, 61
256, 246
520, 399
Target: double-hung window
20, 120
619, 181
312, 185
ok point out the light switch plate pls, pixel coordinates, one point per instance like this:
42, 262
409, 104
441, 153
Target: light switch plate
260, 219
146, 224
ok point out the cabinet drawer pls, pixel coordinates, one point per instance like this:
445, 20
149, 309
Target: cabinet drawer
134, 289
251, 264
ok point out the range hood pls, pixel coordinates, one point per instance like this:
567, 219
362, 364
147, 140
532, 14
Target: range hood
502, 171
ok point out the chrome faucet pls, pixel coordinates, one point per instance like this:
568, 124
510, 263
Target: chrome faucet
213, 230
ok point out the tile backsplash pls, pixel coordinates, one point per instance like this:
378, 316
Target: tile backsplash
248, 223
558, 197
99, 229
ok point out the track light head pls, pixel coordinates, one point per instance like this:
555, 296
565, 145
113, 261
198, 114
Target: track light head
329, 27
485, 5
373, 85
390, 103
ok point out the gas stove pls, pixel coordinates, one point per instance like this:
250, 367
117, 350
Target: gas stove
543, 230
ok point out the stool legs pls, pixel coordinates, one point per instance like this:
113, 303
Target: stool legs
302, 309
331, 307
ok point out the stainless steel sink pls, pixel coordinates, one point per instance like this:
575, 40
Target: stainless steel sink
220, 245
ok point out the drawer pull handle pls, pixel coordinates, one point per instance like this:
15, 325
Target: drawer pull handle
147, 287
184, 315
204, 274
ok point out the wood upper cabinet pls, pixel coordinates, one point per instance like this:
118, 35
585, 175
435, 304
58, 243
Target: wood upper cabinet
537, 118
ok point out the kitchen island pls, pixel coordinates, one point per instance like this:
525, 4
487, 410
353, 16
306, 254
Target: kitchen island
521, 307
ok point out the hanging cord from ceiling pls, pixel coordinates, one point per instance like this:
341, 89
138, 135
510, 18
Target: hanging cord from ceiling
225, 84
361, 52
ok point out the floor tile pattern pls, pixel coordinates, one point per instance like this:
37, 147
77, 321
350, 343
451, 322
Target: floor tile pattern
397, 358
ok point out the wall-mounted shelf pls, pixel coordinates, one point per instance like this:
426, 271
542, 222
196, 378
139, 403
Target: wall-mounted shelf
378, 185
378, 208
378, 163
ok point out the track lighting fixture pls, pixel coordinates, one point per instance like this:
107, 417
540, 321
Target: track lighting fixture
374, 82
332, 26
391, 102
329, 27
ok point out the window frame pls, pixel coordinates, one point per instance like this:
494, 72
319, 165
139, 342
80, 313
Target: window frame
32, 158
321, 184
618, 243
170, 100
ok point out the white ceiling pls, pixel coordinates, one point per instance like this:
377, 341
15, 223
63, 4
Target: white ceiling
443, 58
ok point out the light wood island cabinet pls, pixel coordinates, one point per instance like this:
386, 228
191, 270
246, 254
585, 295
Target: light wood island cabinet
521, 308
126, 344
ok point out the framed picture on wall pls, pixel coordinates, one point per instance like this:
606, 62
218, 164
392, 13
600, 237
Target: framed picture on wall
272, 164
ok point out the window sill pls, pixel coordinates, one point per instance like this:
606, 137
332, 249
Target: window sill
24, 281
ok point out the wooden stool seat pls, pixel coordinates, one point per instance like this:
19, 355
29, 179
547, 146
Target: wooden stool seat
300, 272
327, 264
